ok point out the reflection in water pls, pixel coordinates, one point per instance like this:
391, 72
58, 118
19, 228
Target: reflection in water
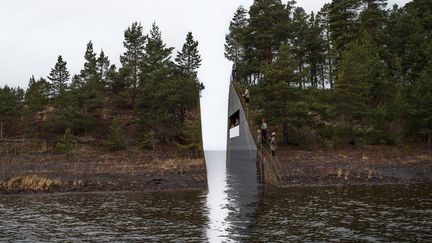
230, 211
232, 197
386, 213
217, 198
102, 217
243, 192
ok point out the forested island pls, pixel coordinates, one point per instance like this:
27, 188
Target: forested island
132, 127
346, 90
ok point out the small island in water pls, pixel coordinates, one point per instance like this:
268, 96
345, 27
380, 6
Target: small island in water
135, 127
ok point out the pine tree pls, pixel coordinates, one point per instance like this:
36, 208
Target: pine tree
189, 59
37, 94
112, 79
328, 68
89, 73
420, 103
115, 140
65, 143
235, 45
167, 94
132, 60
343, 15
284, 69
59, 76
103, 67
157, 55
300, 39
408, 29
10, 106
280, 96
234, 41
165, 103
360, 85
90, 94
191, 138
268, 23
373, 18
315, 52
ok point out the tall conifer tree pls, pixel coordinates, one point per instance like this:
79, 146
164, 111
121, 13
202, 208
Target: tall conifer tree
189, 59
59, 76
132, 60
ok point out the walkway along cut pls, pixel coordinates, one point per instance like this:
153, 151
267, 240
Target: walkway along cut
244, 154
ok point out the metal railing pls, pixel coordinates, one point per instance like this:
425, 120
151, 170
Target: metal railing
269, 163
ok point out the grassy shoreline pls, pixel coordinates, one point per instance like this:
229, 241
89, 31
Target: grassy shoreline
369, 165
92, 170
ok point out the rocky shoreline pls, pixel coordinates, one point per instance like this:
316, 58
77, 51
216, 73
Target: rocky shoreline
137, 171
372, 165
98, 172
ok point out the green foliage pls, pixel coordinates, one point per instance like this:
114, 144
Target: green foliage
103, 69
342, 24
59, 76
148, 139
60, 120
150, 93
132, 61
360, 85
353, 73
37, 94
168, 98
268, 21
234, 50
191, 137
115, 140
379, 137
168, 92
10, 102
420, 104
157, 55
280, 95
189, 60
325, 131
88, 88
65, 143
90, 66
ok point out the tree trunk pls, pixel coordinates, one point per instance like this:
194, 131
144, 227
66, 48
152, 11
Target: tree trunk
285, 132
301, 79
1, 130
269, 56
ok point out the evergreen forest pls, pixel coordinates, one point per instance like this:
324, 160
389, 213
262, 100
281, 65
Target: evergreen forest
152, 98
358, 72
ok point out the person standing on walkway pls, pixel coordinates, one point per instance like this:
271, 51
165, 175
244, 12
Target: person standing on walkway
273, 144
259, 137
234, 73
264, 131
246, 97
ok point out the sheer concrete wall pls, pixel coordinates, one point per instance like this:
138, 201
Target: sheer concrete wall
241, 150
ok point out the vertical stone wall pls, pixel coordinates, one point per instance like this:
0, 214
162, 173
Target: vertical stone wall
241, 150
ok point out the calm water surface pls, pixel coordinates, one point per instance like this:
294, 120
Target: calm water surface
230, 211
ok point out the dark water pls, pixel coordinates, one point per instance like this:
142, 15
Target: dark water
228, 212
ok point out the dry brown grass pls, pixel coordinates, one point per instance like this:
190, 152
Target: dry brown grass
134, 167
28, 184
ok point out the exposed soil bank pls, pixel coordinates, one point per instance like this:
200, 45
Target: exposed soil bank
96, 171
370, 165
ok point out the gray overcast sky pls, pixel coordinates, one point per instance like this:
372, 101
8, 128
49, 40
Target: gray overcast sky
33, 33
